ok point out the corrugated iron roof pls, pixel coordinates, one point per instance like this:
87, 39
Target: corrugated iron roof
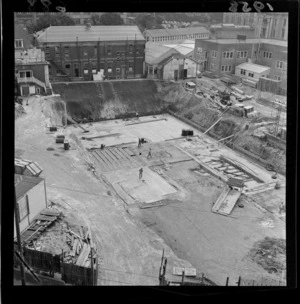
23, 183
95, 33
256, 68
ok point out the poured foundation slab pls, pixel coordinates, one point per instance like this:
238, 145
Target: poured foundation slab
150, 188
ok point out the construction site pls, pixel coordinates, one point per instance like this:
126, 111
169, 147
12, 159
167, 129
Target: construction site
174, 182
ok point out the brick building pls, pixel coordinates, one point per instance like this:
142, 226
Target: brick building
267, 25
223, 55
79, 52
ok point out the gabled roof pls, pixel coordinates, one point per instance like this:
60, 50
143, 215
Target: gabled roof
24, 183
177, 56
95, 33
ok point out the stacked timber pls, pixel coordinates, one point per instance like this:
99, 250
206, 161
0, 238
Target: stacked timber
81, 247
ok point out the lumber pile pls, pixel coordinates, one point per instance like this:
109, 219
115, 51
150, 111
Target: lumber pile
81, 247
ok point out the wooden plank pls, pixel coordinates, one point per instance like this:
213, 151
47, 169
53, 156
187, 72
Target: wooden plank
83, 255
50, 212
75, 234
122, 159
100, 161
105, 161
110, 158
112, 155
188, 272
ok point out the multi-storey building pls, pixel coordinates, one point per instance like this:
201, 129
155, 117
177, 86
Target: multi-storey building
80, 52
223, 55
176, 35
267, 25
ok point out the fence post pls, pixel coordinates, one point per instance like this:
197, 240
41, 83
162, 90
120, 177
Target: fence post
227, 281
183, 273
239, 281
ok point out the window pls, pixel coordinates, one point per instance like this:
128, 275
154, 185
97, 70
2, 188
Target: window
18, 43
214, 54
267, 54
23, 207
273, 33
241, 54
277, 77
137, 51
199, 50
118, 70
37, 90
227, 55
130, 69
67, 66
212, 66
22, 74
85, 71
251, 74
279, 64
95, 50
243, 72
94, 71
108, 51
282, 33
109, 69
85, 53
284, 22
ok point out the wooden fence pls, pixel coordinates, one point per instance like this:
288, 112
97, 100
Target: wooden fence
71, 274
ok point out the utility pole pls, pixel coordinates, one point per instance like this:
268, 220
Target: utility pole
17, 220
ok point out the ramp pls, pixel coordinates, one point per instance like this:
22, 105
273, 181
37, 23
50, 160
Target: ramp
226, 202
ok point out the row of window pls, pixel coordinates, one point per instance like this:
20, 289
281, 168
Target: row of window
250, 74
179, 37
240, 54
85, 51
226, 68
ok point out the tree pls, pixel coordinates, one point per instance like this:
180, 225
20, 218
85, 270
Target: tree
95, 19
111, 19
148, 21
50, 19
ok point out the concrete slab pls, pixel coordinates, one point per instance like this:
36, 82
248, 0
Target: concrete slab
151, 188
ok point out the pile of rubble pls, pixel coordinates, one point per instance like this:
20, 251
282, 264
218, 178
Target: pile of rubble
73, 243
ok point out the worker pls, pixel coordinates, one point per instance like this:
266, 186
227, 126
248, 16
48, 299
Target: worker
149, 154
137, 115
141, 173
140, 143
27, 102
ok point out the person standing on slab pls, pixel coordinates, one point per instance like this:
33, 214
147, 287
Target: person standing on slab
149, 154
141, 173
137, 115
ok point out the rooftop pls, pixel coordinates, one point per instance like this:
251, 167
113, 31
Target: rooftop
95, 33
24, 183
33, 167
252, 40
178, 31
155, 51
30, 56
256, 68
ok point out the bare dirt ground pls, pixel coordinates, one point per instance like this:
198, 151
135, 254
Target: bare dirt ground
129, 252
130, 240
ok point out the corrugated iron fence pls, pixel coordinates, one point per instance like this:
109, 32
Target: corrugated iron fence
71, 274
